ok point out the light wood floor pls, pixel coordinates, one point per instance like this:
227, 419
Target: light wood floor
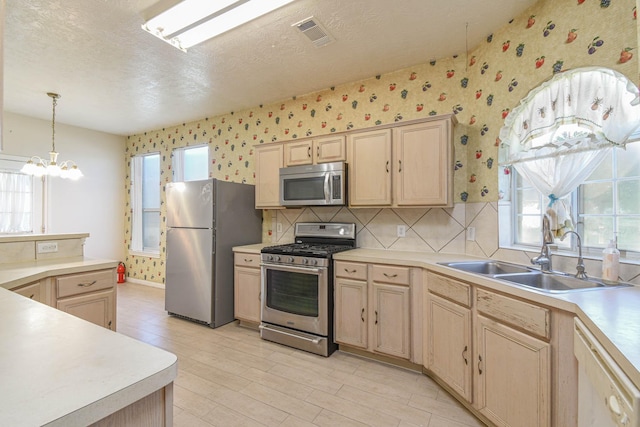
230, 377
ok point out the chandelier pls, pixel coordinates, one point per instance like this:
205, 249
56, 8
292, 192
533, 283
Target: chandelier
39, 167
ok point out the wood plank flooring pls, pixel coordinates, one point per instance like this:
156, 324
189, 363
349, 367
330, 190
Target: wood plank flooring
230, 377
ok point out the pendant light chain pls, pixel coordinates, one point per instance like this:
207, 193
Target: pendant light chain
53, 122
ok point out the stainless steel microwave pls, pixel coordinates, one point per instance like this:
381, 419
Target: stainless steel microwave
314, 185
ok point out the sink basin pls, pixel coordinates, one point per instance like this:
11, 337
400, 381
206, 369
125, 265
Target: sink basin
552, 282
490, 268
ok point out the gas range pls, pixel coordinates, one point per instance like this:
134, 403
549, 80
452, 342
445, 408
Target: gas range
314, 245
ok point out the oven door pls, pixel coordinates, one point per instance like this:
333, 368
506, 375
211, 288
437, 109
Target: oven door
295, 297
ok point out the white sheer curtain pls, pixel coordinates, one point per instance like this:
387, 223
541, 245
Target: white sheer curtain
16, 202
562, 130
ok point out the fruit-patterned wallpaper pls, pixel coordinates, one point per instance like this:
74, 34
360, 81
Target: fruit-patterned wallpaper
480, 87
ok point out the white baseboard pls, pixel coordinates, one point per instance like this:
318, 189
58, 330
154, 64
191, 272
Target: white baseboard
145, 283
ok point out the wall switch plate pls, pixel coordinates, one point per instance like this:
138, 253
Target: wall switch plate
471, 234
402, 229
47, 247
279, 227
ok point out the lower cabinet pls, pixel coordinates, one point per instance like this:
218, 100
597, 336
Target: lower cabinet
37, 291
494, 352
373, 300
247, 290
90, 296
513, 376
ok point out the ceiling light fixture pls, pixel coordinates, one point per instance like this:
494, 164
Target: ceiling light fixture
38, 167
193, 21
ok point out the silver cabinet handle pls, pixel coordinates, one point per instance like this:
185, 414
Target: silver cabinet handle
387, 166
260, 296
309, 152
86, 285
350, 271
400, 166
480, 364
318, 151
248, 260
376, 317
464, 355
362, 314
390, 276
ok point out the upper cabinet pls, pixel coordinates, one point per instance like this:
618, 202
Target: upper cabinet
269, 160
319, 150
410, 165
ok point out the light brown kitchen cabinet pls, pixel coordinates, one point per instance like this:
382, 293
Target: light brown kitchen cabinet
90, 296
448, 334
246, 288
373, 300
408, 165
423, 164
269, 158
369, 158
315, 151
351, 304
513, 376
37, 291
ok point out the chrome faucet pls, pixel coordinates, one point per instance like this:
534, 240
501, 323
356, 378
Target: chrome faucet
544, 259
580, 273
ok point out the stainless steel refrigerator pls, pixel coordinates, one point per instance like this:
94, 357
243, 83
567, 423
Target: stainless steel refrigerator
205, 220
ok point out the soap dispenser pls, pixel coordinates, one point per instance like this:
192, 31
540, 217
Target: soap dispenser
610, 263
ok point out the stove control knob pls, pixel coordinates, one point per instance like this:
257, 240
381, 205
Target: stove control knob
277, 258
315, 262
291, 259
269, 257
305, 261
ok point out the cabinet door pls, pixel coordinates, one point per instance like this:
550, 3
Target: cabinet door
98, 307
33, 291
513, 376
391, 320
422, 170
247, 294
329, 149
351, 312
269, 160
298, 153
369, 157
447, 328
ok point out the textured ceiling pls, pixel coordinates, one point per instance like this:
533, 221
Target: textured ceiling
116, 78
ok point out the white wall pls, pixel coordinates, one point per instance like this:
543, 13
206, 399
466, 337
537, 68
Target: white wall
95, 204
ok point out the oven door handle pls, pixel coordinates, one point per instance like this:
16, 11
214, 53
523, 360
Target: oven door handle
313, 340
293, 268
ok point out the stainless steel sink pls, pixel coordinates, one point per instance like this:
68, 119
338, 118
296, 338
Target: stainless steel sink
520, 275
552, 282
489, 268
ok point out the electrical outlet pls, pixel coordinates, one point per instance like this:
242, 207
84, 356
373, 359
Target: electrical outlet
47, 247
471, 234
279, 227
402, 230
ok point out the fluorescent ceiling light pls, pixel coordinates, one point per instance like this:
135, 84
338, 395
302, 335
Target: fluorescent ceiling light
193, 21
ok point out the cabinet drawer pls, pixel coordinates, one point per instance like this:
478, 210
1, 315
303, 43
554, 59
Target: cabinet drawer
451, 289
242, 259
390, 274
528, 317
75, 284
32, 291
351, 270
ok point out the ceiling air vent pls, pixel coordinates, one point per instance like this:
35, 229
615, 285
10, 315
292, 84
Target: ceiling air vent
314, 31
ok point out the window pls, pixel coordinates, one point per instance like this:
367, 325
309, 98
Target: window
190, 163
21, 198
607, 206
145, 202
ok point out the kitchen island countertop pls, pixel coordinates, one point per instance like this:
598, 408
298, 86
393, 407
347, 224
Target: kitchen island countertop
60, 370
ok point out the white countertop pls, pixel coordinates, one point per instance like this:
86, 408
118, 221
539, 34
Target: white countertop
60, 370
613, 315
252, 249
